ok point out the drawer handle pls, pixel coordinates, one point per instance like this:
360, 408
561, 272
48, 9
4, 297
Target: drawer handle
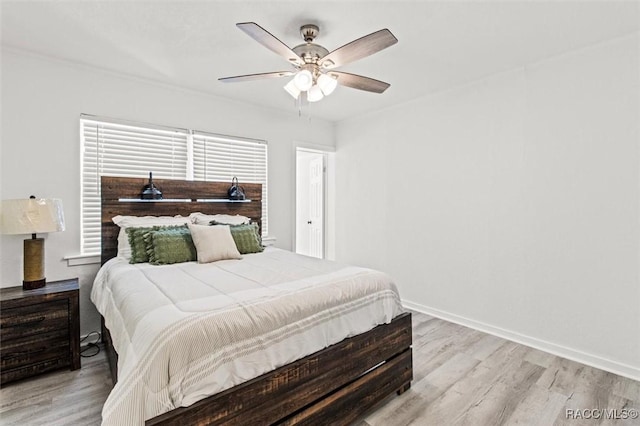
14, 355
25, 324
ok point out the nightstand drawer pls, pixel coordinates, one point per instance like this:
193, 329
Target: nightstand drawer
34, 349
10, 375
39, 329
34, 319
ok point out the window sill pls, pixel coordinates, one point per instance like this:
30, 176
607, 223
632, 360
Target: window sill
82, 259
269, 241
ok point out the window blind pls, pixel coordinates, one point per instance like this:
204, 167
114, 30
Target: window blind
114, 147
220, 158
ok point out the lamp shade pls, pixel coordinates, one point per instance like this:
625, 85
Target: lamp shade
31, 216
314, 94
327, 84
292, 89
303, 80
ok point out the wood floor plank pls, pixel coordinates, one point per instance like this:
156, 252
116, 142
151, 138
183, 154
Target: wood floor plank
483, 384
561, 376
499, 402
58, 398
403, 409
455, 368
627, 388
461, 377
543, 359
540, 407
485, 346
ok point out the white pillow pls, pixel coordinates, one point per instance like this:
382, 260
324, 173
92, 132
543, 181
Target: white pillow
213, 243
223, 219
124, 222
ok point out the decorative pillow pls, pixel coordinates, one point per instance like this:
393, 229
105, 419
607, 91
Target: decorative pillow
124, 222
246, 237
138, 244
224, 219
213, 243
170, 245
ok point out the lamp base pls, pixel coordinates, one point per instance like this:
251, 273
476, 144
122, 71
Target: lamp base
31, 285
33, 264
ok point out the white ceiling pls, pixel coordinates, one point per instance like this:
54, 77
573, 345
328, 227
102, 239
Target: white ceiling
193, 43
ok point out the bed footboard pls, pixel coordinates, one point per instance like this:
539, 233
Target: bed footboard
333, 386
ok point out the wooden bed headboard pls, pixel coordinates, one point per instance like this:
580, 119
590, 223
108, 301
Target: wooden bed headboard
113, 189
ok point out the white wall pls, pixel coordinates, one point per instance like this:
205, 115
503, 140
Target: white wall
510, 204
42, 100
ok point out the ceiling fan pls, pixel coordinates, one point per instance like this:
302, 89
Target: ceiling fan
314, 76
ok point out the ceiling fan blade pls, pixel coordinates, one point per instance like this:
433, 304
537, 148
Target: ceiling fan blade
269, 41
358, 49
251, 77
360, 82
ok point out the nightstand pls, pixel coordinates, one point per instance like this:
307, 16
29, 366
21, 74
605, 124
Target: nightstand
39, 329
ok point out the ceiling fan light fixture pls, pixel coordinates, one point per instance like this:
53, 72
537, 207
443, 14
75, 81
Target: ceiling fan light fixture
314, 94
327, 84
303, 80
292, 89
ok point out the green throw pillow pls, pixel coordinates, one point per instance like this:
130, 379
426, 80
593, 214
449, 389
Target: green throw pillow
170, 245
247, 237
139, 247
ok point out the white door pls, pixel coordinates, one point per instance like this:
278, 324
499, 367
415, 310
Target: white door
310, 169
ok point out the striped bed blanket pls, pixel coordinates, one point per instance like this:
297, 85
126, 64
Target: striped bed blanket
187, 331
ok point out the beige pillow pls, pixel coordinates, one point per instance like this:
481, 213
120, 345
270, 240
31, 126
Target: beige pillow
213, 243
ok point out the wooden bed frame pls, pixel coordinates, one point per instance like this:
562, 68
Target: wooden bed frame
334, 386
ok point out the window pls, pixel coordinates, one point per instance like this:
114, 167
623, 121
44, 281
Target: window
119, 148
216, 157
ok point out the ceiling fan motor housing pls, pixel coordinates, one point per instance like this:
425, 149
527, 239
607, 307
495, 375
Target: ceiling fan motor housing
311, 53
309, 32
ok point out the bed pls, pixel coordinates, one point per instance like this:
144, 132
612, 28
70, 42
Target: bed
338, 373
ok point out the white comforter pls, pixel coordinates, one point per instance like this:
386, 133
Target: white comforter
187, 331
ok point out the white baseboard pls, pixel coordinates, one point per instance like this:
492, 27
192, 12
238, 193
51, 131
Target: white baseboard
552, 348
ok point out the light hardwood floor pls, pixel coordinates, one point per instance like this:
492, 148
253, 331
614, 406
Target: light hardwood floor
461, 377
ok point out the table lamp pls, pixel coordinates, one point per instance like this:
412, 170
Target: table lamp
32, 216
